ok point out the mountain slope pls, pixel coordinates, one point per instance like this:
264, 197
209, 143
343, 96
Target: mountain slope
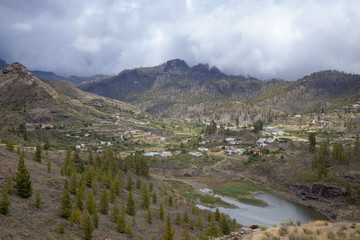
174, 89
173, 86
313, 93
23, 97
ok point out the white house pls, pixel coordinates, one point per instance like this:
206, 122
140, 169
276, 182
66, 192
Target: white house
203, 149
230, 139
196, 154
166, 154
151, 154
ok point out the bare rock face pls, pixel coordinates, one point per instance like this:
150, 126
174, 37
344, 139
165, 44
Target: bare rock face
318, 190
16, 68
328, 192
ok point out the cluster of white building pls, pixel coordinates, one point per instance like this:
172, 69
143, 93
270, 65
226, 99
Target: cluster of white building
163, 154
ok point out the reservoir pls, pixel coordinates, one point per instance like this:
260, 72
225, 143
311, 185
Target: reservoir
278, 210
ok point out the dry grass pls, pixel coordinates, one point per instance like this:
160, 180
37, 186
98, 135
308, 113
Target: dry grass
319, 230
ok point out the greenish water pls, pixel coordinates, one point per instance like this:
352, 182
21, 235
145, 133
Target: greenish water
278, 210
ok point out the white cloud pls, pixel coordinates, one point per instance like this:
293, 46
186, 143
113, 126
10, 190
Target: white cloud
265, 38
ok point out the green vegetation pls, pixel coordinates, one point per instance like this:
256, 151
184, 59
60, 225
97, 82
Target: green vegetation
4, 202
104, 201
130, 205
236, 190
22, 180
66, 205
37, 199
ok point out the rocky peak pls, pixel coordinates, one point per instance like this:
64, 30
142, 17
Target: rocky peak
16, 68
176, 65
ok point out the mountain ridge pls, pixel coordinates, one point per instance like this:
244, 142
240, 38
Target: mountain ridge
30, 99
170, 88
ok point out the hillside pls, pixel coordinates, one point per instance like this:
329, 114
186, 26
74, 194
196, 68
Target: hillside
168, 87
314, 93
25, 98
25, 220
174, 89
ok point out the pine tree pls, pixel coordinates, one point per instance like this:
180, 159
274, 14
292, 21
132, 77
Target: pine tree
209, 216
76, 216
169, 230
9, 186
37, 199
66, 204
104, 201
89, 176
118, 183
178, 219
121, 223
80, 196
161, 212
200, 223
234, 224
185, 234
224, 225
96, 220
4, 202
129, 185
192, 225
10, 146
22, 180
79, 162
170, 201
312, 142
73, 183
37, 155
115, 212
95, 186
149, 216
212, 229
112, 192
315, 161
90, 158
130, 205
128, 229
151, 186
154, 198
217, 215
91, 203
203, 237
186, 217
145, 196
138, 183
88, 227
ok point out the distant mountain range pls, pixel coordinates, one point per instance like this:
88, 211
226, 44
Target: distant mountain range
51, 76
174, 87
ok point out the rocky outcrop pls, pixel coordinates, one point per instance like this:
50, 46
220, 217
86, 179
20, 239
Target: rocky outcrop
236, 235
317, 190
16, 68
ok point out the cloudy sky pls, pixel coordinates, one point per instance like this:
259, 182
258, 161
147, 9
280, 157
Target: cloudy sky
262, 38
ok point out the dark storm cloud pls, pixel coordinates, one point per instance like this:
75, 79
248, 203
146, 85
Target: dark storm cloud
265, 39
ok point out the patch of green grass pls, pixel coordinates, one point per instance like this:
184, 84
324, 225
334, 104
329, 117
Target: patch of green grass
207, 199
212, 201
236, 190
192, 195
